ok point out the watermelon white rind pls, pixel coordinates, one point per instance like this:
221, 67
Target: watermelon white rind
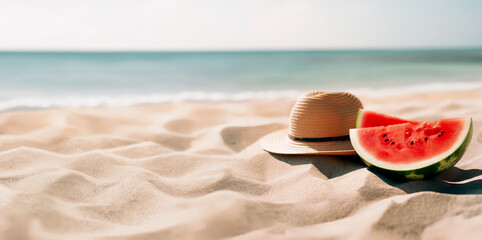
359, 118
422, 169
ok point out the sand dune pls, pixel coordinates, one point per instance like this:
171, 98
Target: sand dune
197, 171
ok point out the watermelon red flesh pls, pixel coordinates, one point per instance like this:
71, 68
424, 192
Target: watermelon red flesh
368, 118
407, 143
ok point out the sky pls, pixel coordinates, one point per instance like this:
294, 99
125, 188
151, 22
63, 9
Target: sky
172, 25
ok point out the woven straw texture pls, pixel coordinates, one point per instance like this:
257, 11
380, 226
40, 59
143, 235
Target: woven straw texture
317, 114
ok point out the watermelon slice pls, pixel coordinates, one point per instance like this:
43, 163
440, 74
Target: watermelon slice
367, 118
412, 150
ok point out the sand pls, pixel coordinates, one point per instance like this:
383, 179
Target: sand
197, 171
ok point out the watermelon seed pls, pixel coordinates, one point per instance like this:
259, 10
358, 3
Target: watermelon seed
384, 135
411, 143
439, 135
386, 140
392, 143
426, 138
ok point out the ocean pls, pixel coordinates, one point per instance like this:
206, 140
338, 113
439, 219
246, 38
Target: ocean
44, 79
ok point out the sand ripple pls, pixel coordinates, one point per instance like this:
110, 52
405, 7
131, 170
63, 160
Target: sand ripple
196, 171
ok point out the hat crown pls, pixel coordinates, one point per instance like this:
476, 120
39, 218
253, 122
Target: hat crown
319, 114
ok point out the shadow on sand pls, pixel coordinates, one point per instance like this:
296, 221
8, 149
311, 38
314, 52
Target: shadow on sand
330, 166
453, 181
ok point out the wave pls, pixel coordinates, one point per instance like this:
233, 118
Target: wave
132, 100
23, 103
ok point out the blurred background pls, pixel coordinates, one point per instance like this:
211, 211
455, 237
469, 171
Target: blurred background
123, 52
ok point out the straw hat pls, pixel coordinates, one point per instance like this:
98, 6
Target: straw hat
319, 124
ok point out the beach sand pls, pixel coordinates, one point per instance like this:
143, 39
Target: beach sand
197, 171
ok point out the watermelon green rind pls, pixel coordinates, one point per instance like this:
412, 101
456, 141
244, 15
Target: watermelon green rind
359, 118
435, 167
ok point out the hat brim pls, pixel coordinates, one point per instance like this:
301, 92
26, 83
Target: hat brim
279, 143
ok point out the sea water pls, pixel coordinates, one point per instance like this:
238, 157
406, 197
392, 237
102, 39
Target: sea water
42, 79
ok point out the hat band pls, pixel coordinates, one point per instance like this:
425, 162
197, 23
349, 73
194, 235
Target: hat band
324, 139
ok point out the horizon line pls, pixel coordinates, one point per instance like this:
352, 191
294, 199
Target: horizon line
426, 48
233, 50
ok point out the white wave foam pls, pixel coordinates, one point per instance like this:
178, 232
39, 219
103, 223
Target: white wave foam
131, 100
